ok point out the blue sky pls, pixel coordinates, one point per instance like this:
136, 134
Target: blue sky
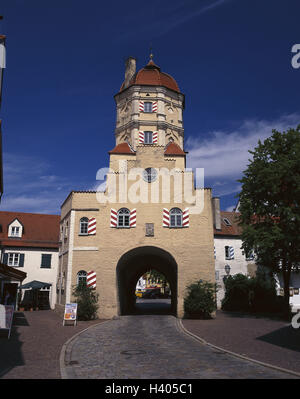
65, 62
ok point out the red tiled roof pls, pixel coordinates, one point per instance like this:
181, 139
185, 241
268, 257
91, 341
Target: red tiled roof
174, 149
122, 148
152, 76
234, 229
39, 230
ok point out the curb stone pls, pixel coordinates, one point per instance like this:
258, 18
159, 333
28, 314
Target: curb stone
66, 372
199, 339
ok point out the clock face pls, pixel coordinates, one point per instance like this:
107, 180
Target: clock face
150, 175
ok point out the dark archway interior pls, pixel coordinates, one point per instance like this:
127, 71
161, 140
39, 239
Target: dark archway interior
133, 264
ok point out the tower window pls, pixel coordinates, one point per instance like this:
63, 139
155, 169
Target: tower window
147, 106
83, 226
175, 217
124, 217
148, 137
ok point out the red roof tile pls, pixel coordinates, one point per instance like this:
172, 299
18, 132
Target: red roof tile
174, 149
151, 75
39, 230
232, 230
122, 148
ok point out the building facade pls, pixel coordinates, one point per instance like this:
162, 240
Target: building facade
149, 224
29, 244
230, 258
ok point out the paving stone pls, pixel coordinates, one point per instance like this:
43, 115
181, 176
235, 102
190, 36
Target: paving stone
112, 350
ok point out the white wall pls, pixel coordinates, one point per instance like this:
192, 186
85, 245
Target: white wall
32, 266
237, 265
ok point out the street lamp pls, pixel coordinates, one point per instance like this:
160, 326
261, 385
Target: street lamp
227, 269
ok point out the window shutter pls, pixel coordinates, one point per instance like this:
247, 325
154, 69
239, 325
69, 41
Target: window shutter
154, 106
91, 279
113, 218
141, 106
46, 261
231, 252
5, 259
92, 226
141, 137
133, 218
186, 218
215, 253
21, 261
166, 217
155, 137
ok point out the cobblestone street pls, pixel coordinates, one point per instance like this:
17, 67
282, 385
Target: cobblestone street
152, 347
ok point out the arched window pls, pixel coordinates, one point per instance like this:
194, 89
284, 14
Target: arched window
83, 228
81, 277
175, 217
124, 217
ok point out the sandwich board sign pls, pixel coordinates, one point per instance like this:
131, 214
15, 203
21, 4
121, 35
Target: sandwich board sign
70, 313
6, 317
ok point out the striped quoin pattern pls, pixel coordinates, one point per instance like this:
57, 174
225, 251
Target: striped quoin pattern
113, 218
186, 218
141, 137
166, 217
155, 137
92, 226
231, 252
154, 106
91, 279
141, 106
133, 218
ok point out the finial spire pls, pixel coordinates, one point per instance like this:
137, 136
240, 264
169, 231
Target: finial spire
151, 53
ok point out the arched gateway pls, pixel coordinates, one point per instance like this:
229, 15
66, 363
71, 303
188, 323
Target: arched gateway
150, 215
135, 263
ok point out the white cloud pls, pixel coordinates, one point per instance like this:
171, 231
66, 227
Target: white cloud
29, 187
224, 154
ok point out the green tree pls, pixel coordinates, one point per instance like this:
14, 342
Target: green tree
87, 300
269, 204
200, 300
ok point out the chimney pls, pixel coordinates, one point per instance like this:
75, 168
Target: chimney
129, 70
216, 212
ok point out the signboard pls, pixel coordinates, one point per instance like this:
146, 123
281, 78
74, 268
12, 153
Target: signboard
6, 317
70, 313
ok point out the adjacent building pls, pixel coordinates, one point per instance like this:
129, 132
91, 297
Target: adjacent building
230, 258
29, 247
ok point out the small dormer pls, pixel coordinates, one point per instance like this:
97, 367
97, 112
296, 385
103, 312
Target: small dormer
15, 229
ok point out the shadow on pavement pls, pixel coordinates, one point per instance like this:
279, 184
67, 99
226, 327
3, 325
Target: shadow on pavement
286, 337
153, 307
10, 349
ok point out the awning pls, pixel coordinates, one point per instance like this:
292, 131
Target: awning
11, 273
35, 285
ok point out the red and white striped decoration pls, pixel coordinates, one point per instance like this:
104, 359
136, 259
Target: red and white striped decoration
92, 226
113, 218
133, 218
166, 217
91, 279
154, 106
141, 137
155, 137
186, 218
141, 106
